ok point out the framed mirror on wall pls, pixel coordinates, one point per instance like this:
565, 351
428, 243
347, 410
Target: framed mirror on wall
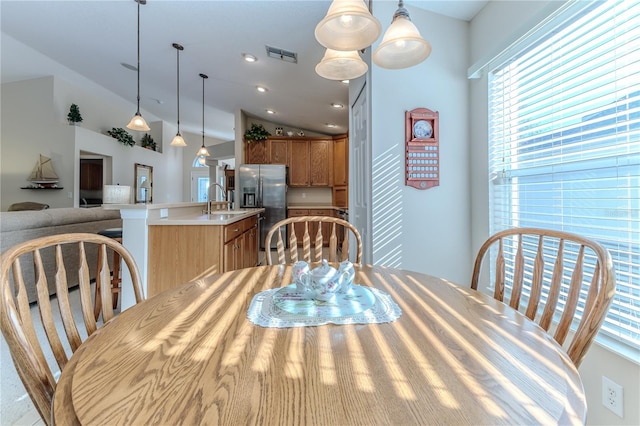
144, 183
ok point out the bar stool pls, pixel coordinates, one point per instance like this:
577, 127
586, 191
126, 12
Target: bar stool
116, 234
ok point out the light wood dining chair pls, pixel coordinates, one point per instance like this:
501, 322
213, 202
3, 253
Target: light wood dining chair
29, 337
562, 281
325, 231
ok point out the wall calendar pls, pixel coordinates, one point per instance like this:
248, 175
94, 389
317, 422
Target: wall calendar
422, 149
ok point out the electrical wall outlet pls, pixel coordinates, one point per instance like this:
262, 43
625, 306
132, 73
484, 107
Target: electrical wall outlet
612, 396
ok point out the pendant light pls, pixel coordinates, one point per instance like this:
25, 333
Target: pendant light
203, 149
337, 65
137, 122
348, 26
178, 140
402, 45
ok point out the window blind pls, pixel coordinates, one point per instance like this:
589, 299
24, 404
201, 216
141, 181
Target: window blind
564, 143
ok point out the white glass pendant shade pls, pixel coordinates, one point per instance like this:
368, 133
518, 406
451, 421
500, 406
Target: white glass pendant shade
402, 45
178, 140
348, 25
138, 123
337, 65
203, 151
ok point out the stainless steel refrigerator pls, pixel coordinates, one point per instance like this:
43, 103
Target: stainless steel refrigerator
264, 185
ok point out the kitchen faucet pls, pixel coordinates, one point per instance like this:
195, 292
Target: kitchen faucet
224, 198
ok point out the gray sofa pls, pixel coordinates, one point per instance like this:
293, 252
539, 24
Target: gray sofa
19, 226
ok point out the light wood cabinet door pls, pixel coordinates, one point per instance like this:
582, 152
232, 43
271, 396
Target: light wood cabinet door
256, 152
320, 160
279, 151
299, 227
250, 252
341, 161
341, 196
326, 227
230, 249
299, 163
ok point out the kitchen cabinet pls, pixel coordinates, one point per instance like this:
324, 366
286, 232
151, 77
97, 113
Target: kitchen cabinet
341, 160
340, 196
256, 152
241, 244
198, 250
299, 163
269, 151
309, 162
278, 151
313, 228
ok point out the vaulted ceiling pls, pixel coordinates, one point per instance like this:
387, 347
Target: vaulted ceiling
97, 38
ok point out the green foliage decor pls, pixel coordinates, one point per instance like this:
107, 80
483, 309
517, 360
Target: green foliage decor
122, 136
256, 132
147, 142
74, 115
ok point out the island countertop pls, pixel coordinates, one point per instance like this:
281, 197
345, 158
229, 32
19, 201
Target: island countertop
216, 217
181, 213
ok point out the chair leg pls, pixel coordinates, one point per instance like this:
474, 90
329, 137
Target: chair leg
115, 280
115, 285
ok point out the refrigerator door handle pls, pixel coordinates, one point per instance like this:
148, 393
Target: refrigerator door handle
260, 192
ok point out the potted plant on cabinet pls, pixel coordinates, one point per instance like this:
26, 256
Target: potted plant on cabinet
122, 136
255, 133
74, 117
148, 142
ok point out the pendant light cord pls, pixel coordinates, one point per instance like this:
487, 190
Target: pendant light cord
138, 1
204, 77
178, 48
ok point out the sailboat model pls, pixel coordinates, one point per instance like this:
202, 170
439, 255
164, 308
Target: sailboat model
43, 173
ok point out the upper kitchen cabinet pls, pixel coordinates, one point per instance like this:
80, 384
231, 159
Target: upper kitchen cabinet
269, 151
341, 160
310, 162
256, 152
278, 151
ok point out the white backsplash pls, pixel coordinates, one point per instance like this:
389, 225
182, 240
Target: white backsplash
309, 196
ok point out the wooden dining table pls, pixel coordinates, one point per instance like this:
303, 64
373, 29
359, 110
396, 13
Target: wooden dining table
191, 356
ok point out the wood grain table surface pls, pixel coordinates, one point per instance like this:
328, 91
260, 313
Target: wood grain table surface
190, 356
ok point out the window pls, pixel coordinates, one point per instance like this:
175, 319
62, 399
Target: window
564, 142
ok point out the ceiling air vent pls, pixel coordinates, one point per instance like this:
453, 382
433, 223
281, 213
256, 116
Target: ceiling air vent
283, 55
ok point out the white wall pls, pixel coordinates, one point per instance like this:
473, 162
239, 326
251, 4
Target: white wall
422, 230
34, 121
491, 31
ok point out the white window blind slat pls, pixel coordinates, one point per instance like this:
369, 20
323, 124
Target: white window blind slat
564, 142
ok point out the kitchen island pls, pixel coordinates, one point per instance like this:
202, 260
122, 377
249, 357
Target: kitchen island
179, 242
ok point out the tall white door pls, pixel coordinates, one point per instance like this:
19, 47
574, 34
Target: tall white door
360, 173
199, 185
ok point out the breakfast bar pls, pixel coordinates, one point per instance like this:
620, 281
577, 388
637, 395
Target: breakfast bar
174, 243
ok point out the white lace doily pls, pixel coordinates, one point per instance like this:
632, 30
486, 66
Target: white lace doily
264, 310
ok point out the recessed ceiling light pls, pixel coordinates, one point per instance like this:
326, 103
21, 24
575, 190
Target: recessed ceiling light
337, 105
345, 81
331, 125
249, 58
261, 89
270, 111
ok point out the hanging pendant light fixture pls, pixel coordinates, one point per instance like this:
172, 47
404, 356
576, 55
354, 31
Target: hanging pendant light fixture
137, 122
178, 140
347, 26
337, 65
202, 152
402, 45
